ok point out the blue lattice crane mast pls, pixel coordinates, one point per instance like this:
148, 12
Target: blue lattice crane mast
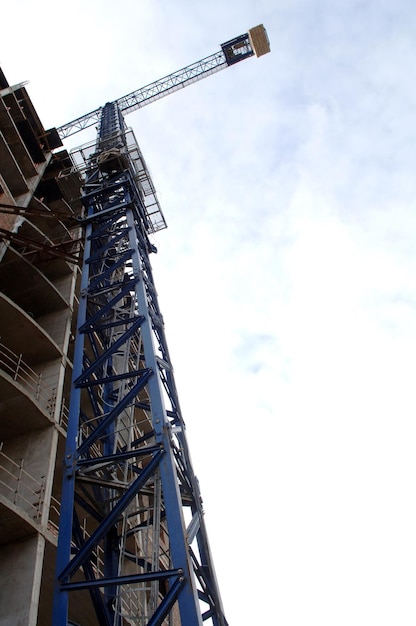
132, 546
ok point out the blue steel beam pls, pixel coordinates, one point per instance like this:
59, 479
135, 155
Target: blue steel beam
128, 481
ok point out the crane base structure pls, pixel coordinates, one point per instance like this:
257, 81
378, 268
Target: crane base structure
132, 543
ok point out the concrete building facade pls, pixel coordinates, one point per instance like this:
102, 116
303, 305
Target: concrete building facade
38, 282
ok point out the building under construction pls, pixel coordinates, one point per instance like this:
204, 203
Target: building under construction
101, 520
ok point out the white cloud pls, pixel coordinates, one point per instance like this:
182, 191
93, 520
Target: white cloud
286, 278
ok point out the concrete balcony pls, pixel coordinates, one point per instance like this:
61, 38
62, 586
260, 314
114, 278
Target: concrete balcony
21, 500
25, 336
28, 286
15, 141
24, 394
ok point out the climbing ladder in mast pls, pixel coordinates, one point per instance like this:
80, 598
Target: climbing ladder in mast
132, 546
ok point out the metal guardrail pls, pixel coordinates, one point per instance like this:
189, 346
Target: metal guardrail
26, 492
20, 487
54, 512
64, 415
14, 365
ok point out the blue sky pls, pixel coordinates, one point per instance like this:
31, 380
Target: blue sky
286, 277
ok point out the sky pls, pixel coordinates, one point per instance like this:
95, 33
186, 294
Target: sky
286, 277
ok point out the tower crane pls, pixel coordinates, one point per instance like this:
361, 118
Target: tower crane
255, 42
132, 544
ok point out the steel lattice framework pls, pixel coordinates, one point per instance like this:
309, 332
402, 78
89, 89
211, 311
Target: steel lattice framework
132, 546
231, 52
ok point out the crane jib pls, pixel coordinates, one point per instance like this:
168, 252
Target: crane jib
255, 42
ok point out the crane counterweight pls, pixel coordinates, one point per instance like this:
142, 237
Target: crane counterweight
259, 40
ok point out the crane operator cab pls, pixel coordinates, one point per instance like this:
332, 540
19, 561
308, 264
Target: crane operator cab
255, 42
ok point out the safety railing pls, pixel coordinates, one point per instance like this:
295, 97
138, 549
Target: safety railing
53, 527
20, 487
26, 492
14, 365
63, 420
54, 512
